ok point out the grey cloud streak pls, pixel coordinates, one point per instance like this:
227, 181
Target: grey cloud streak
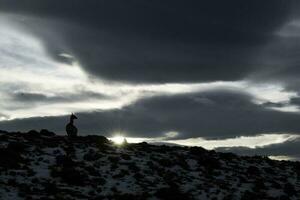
64, 97
213, 114
288, 149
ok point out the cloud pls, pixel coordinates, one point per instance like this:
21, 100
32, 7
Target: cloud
142, 41
279, 60
210, 114
250, 143
63, 97
33, 84
21, 96
285, 150
217, 109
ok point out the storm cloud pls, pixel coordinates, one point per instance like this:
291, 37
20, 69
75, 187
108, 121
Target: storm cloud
212, 114
154, 41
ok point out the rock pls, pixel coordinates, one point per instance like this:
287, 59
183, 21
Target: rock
171, 192
33, 133
17, 147
45, 132
64, 161
11, 156
73, 176
91, 155
3, 132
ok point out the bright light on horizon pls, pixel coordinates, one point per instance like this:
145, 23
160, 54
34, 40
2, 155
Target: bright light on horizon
252, 142
118, 139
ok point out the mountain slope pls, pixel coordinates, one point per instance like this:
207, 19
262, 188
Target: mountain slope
42, 165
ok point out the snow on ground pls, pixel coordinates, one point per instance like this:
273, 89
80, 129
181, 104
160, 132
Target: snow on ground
45, 166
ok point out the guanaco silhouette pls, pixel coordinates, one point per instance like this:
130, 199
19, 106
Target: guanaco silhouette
70, 128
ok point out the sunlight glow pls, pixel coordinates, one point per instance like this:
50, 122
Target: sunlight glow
118, 139
283, 158
242, 141
252, 142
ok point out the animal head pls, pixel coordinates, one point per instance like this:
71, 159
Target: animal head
73, 116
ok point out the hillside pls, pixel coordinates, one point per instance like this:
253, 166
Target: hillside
42, 165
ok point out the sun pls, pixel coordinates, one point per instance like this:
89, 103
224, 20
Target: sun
118, 139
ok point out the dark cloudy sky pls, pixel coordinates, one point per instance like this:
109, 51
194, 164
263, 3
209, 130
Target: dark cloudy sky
221, 74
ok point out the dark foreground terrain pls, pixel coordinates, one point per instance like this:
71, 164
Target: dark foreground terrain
42, 165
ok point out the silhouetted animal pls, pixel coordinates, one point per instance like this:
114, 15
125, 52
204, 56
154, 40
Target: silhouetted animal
70, 128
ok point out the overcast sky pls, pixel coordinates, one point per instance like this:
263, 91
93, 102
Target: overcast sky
220, 74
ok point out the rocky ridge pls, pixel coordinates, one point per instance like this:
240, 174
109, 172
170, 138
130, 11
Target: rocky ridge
42, 165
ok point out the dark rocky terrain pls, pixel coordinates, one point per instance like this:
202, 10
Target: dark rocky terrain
42, 165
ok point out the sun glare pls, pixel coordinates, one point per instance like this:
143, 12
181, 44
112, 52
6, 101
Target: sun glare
118, 139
